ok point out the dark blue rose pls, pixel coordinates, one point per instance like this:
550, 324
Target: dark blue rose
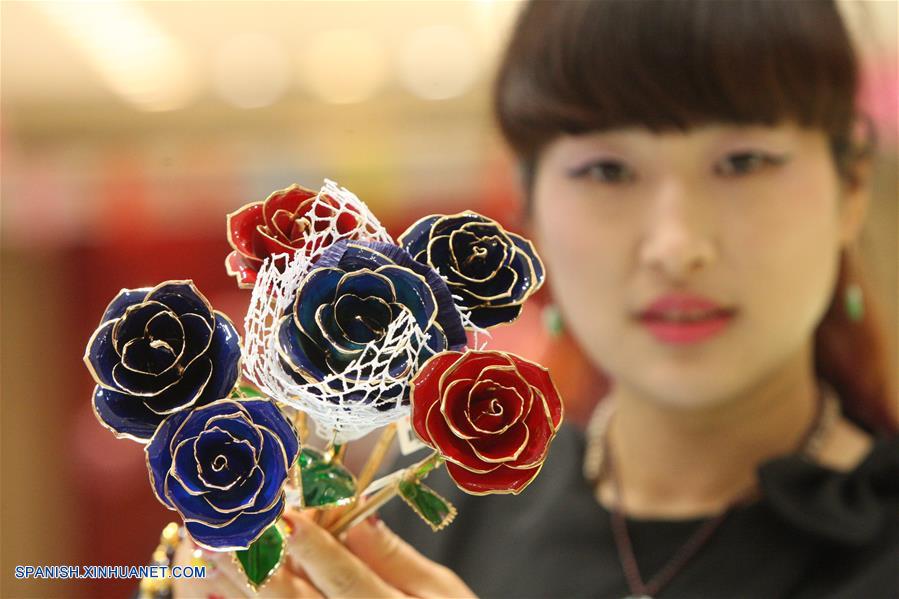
223, 468
349, 300
158, 351
492, 270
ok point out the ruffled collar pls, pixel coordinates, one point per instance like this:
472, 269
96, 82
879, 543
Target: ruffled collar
844, 507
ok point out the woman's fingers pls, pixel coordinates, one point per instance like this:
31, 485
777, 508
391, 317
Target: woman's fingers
333, 570
400, 565
224, 579
221, 575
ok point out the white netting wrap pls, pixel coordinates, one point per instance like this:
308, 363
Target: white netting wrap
324, 215
344, 406
350, 404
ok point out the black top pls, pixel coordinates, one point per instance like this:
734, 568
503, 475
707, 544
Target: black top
815, 533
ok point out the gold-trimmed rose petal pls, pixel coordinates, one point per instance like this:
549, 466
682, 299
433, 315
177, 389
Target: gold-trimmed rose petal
508, 458
462, 444
443, 408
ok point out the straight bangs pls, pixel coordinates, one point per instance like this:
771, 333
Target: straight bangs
584, 65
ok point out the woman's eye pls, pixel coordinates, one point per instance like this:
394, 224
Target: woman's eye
744, 163
604, 171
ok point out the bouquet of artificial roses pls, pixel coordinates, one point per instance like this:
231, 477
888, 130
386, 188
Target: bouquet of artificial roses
349, 329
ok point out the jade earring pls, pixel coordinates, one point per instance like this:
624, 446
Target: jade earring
552, 320
854, 302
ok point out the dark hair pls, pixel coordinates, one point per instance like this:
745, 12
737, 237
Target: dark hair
588, 65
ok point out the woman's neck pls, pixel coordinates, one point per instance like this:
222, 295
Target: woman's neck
681, 463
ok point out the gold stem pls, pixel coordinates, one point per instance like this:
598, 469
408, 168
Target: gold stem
361, 510
358, 513
375, 458
299, 421
336, 457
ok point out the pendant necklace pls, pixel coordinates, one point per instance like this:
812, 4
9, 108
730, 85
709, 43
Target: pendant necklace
599, 461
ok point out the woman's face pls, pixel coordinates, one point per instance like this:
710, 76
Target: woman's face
690, 266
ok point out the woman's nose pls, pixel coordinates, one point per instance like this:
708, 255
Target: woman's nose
678, 241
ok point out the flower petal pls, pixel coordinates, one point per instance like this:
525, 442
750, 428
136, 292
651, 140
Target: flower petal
182, 297
267, 414
288, 199
125, 298
500, 480
451, 447
197, 337
471, 365
299, 352
184, 467
505, 447
221, 460
538, 376
240, 497
266, 244
361, 320
415, 239
193, 507
539, 423
240, 533
527, 247
454, 407
225, 353
273, 460
148, 357
244, 269
185, 392
487, 316
319, 287
198, 419
366, 283
425, 391
142, 384
100, 356
242, 227
159, 453
133, 324
413, 291
125, 415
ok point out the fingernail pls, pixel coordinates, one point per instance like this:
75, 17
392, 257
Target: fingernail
290, 525
374, 519
214, 596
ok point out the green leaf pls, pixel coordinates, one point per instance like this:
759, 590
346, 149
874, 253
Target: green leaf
325, 484
245, 390
264, 556
431, 507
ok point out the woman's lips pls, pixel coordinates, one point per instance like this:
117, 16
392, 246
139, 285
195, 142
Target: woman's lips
683, 319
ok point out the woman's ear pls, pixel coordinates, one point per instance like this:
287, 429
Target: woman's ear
855, 199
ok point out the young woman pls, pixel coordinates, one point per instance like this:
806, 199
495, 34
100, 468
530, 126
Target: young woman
695, 176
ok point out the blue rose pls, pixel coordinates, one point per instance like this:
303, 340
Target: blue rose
158, 351
223, 468
349, 300
492, 270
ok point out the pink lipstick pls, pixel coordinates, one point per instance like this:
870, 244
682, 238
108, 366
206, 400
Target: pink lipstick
685, 318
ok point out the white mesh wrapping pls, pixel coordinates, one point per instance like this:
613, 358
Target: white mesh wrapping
336, 417
323, 230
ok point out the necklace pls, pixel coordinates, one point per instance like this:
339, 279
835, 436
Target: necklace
599, 461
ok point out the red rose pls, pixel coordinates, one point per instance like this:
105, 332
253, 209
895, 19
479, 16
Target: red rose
491, 414
282, 224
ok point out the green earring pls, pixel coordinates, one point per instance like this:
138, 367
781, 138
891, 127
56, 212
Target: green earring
552, 320
855, 302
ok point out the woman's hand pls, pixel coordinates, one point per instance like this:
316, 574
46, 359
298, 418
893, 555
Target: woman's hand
374, 562
224, 580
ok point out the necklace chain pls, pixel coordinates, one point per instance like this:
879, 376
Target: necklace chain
599, 461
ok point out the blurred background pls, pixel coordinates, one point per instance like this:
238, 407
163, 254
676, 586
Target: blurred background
129, 130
